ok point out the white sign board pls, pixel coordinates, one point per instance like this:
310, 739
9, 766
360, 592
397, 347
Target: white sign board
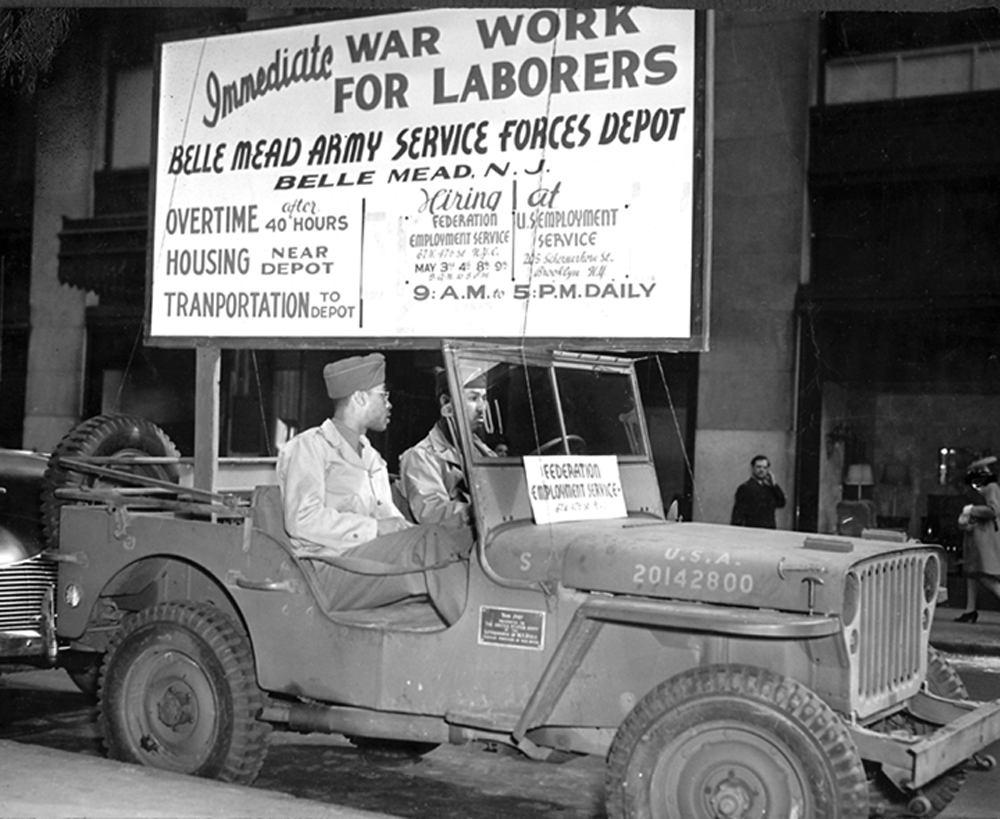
450, 172
574, 487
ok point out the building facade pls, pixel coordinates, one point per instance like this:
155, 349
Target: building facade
853, 219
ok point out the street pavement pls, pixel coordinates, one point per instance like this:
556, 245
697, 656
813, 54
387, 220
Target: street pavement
43, 783
981, 638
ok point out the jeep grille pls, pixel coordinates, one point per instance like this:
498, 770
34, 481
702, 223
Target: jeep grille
22, 587
892, 631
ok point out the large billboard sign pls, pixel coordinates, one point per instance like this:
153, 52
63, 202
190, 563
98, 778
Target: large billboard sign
491, 173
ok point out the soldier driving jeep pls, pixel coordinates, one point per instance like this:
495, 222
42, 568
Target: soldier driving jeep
432, 471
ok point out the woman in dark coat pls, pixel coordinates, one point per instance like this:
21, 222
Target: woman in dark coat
981, 544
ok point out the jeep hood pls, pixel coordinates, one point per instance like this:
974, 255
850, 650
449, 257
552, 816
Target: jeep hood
697, 561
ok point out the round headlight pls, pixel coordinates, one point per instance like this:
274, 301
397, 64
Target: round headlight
852, 598
932, 578
73, 595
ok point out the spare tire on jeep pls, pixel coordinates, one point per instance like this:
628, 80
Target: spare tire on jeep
117, 436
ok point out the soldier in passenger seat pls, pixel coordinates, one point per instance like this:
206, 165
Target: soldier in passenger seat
432, 472
339, 512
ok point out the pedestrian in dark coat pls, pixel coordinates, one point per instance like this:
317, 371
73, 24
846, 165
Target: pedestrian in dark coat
759, 497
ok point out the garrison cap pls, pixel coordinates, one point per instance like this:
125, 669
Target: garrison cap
473, 381
349, 375
477, 382
983, 464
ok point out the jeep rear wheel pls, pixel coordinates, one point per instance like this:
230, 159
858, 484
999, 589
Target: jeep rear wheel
113, 436
179, 692
943, 680
734, 742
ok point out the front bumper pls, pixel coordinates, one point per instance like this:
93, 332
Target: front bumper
20, 644
34, 642
911, 762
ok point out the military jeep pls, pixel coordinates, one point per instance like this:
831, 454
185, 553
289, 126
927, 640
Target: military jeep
722, 672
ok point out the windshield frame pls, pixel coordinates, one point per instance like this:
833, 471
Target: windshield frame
458, 354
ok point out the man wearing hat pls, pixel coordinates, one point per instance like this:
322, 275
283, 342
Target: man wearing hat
432, 470
339, 511
981, 542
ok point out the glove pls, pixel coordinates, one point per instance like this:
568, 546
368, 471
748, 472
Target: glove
965, 519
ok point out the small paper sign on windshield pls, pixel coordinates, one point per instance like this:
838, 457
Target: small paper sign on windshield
574, 487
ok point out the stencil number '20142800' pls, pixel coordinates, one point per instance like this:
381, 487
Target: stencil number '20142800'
693, 579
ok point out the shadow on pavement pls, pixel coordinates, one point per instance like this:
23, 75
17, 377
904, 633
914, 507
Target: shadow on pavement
449, 783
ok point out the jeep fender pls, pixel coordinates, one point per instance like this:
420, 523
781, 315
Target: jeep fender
592, 616
145, 583
140, 559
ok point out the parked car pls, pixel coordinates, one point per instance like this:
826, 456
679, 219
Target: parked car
27, 574
30, 484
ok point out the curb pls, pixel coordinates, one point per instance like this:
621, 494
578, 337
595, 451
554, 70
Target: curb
960, 646
981, 638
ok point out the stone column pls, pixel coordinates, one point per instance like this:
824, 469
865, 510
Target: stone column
70, 143
746, 382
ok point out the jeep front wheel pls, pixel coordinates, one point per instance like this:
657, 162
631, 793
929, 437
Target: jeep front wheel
179, 693
734, 742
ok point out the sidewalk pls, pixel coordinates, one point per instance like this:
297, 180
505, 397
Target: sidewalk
42, 783
981, 638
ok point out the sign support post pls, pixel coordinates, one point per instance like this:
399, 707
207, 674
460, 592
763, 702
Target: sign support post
206, 424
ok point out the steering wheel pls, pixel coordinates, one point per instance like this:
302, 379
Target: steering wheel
570, 438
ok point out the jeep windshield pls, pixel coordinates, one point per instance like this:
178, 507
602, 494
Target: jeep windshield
552, 403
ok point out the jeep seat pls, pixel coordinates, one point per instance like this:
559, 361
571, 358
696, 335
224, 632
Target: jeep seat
407, 615
269, 515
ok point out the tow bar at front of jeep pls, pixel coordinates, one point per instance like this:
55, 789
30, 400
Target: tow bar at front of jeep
911, 762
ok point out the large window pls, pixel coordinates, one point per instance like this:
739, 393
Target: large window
858, 33
131, 125
891, 55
